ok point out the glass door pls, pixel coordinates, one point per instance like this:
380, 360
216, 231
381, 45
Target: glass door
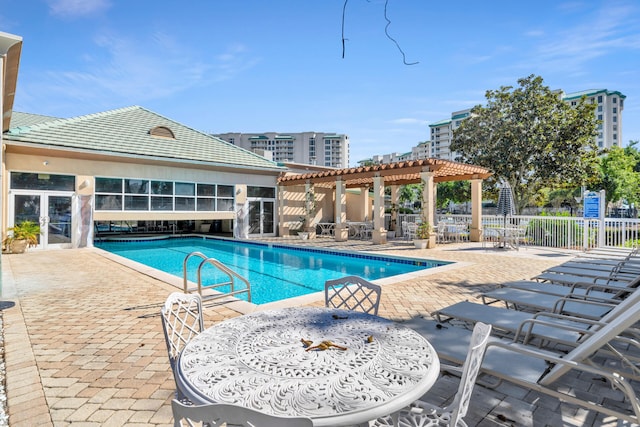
52, 211
262, 217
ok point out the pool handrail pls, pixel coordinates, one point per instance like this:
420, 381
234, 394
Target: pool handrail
214, 262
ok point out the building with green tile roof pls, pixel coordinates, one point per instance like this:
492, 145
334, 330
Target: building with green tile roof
131, 169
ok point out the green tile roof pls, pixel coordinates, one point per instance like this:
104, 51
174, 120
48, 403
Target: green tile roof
126, 131
440, 123
19, 119
460, 116
591, 92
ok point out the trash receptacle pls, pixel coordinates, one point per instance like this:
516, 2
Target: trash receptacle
216, 226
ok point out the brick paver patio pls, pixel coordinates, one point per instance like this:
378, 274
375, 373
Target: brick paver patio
84, 344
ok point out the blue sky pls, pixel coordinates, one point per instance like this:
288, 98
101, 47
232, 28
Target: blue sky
257, 66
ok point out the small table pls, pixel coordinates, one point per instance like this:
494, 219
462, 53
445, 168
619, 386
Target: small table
326, 228
507, 237
259, 361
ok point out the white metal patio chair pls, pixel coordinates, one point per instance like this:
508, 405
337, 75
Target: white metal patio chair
182, 320
421, 413
412, 228
215, 414
352, 293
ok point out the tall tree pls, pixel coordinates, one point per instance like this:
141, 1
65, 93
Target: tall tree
530, 138
619, 175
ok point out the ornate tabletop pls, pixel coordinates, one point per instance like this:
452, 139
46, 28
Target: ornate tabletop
364, 366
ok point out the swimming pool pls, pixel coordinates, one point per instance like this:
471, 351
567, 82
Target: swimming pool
275, 271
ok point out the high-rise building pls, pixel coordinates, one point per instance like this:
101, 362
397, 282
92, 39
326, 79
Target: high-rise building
313, 148
608, 112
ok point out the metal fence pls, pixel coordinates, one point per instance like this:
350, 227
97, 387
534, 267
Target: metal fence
552, 231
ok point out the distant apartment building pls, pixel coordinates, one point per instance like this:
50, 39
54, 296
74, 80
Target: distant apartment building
608, 112
313, 148
420, 151
442, 135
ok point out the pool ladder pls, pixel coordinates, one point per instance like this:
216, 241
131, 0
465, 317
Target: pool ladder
232, 276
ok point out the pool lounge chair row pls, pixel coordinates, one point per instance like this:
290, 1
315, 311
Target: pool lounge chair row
595, 316
543, 370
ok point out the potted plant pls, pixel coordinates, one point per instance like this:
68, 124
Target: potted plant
424, 236
24, 234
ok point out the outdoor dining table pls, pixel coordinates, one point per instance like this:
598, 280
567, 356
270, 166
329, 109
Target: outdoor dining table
507, 237
326, 228
337, 367
358, 229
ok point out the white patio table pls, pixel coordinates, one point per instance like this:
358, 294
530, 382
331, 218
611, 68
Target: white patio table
260, 361
326, 228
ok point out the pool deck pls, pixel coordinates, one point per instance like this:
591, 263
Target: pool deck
84, 343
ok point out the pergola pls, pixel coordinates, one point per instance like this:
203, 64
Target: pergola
428, 171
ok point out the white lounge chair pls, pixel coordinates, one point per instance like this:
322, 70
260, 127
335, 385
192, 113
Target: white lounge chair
592, 305
540, 370
543, 326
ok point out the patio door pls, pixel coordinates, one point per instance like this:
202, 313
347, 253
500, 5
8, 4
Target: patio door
51, 210
262, 217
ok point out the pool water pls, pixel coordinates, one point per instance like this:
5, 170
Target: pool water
274, 271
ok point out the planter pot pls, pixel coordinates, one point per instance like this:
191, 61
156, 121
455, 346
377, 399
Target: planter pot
429, 243
18, 246
421, 243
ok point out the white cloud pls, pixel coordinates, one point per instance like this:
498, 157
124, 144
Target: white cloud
408, 121
610, 29
128, 71
75, 8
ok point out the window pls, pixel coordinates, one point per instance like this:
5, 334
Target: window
142, 195
614, 100
265, 192
600, 117
599, 108
162, 132
574, 103
599, 99
615, 119
42, 181
615, 110
615, 136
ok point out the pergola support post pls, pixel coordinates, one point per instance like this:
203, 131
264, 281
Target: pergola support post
395, 206
283, 229
428, 203
475, 233
379, 235
341, 230
309, 209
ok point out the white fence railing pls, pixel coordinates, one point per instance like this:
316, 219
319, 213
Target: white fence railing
553, 231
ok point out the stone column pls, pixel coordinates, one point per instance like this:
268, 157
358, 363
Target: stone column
475, 233
395, 206
283, 229
309, 209
341, 228
379, 232
429, 202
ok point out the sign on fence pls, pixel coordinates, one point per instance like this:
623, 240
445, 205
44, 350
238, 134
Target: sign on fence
591, 204
594, 209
